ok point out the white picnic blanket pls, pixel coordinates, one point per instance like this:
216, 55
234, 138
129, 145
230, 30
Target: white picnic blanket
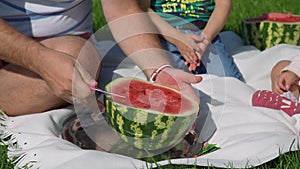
248, 136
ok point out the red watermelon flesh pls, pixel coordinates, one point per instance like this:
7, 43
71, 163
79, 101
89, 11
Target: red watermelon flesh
146, 95
276, 17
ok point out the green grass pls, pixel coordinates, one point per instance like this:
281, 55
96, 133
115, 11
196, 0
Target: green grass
8, 142
6, 162
242, 9
98, 18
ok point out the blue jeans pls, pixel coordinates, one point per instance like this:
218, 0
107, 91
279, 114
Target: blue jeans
216, 60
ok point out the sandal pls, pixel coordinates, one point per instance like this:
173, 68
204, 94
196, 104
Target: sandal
74, 132
269, 99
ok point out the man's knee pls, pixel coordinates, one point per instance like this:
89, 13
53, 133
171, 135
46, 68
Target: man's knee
71, 45
24, 92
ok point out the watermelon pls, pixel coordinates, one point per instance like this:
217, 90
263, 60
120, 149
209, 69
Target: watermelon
152, 116
271, 29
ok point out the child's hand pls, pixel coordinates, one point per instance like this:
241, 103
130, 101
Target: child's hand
202, 43
187, 47
284, 81
191, 47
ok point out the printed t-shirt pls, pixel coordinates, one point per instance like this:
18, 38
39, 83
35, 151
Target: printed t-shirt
180, 12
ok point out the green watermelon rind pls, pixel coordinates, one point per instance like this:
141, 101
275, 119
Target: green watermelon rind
152, 130
266, 34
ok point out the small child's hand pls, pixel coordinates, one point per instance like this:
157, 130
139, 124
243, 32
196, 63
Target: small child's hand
202, 43
284, 81
187, 48
191, 47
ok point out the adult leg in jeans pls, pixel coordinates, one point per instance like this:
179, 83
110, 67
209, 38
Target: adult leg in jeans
217, 61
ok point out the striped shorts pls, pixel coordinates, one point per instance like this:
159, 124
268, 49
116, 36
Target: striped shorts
48, 18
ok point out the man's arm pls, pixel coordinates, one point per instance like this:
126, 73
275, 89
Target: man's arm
137, 36
134, 32
56, 68
19, 49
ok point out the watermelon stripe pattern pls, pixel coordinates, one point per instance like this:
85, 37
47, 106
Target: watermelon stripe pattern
147, 129
265, 34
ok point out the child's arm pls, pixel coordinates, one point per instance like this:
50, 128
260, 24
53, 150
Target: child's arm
186, 43
294, 66
287, 76
290, 75
218, 18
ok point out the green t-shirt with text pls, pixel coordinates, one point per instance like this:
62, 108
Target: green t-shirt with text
179, 12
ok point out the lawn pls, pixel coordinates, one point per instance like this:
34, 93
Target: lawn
253, 8
241, 9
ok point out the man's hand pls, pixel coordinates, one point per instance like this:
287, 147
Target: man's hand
59, 70
180, 80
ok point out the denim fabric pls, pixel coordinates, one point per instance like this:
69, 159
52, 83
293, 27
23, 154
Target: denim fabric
216, 59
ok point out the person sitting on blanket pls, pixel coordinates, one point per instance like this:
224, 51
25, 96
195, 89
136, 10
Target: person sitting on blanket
130, 27
192, 30
285, 77
140, 43
40, 42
